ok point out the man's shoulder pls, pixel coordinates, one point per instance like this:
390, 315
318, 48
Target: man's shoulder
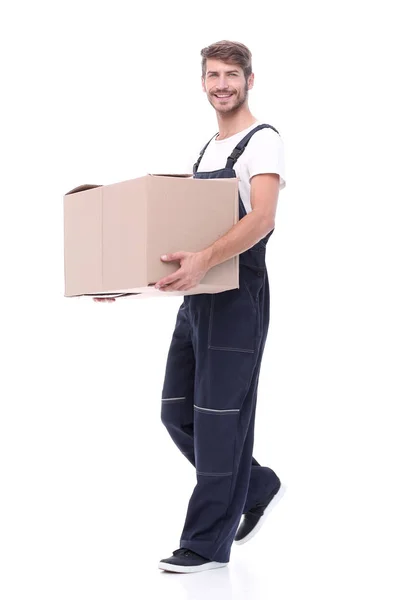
266, 136
268, 129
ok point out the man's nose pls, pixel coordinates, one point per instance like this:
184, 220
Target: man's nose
222, 83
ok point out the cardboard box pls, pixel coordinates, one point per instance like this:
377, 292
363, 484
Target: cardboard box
115, 234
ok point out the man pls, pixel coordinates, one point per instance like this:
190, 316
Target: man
211, 380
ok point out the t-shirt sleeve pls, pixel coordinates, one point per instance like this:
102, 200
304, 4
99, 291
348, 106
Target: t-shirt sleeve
266, 155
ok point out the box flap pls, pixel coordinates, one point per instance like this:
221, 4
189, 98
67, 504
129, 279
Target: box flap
171, 174
82, 188
186, 175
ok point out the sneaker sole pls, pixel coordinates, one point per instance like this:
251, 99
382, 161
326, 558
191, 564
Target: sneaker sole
271, 505
181, 569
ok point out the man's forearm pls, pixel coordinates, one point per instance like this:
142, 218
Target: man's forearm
242, 236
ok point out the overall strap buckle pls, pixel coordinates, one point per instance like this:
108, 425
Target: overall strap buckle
240, 147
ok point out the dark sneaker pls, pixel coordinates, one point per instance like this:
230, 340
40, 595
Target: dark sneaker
253, 519
186, 561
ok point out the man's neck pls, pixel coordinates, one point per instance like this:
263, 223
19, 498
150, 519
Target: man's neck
228, 128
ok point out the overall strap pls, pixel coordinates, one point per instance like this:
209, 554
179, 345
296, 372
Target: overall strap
240, 147
195, 166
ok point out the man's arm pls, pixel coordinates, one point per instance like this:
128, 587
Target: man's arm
264, 192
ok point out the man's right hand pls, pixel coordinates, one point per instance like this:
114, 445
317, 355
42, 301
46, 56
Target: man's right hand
104, 299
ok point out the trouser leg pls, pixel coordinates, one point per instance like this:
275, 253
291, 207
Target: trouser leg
228, 356
216, 435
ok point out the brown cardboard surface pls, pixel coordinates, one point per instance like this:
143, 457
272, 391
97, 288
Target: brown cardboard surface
115, 234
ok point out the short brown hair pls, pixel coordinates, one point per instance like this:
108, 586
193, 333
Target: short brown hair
232, 52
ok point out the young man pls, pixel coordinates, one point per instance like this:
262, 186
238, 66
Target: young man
210, 387
212, 372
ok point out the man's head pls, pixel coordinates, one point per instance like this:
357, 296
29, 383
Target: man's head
227, 69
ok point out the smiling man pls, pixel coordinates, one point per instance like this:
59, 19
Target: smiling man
212, 371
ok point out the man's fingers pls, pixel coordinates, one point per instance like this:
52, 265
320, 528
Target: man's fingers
170, 280
173, 256
167, 288
178, 286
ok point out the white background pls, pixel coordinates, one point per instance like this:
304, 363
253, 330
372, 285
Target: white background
93, 490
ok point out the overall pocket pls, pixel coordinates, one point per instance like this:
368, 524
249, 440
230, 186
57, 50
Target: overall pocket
215, 437
233, 319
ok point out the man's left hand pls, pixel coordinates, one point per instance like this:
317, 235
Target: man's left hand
194, 266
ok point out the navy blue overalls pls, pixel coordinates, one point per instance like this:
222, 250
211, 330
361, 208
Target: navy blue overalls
210, 390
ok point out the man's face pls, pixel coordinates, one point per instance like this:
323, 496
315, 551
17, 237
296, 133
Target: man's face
223, 79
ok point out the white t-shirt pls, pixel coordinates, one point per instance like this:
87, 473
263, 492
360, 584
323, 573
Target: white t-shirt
263, 154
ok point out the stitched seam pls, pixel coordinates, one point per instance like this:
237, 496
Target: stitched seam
210, 320
173, 399
214, 474
231, 349
251, 297
215, 410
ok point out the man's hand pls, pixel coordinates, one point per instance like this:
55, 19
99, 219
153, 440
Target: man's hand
194, 266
